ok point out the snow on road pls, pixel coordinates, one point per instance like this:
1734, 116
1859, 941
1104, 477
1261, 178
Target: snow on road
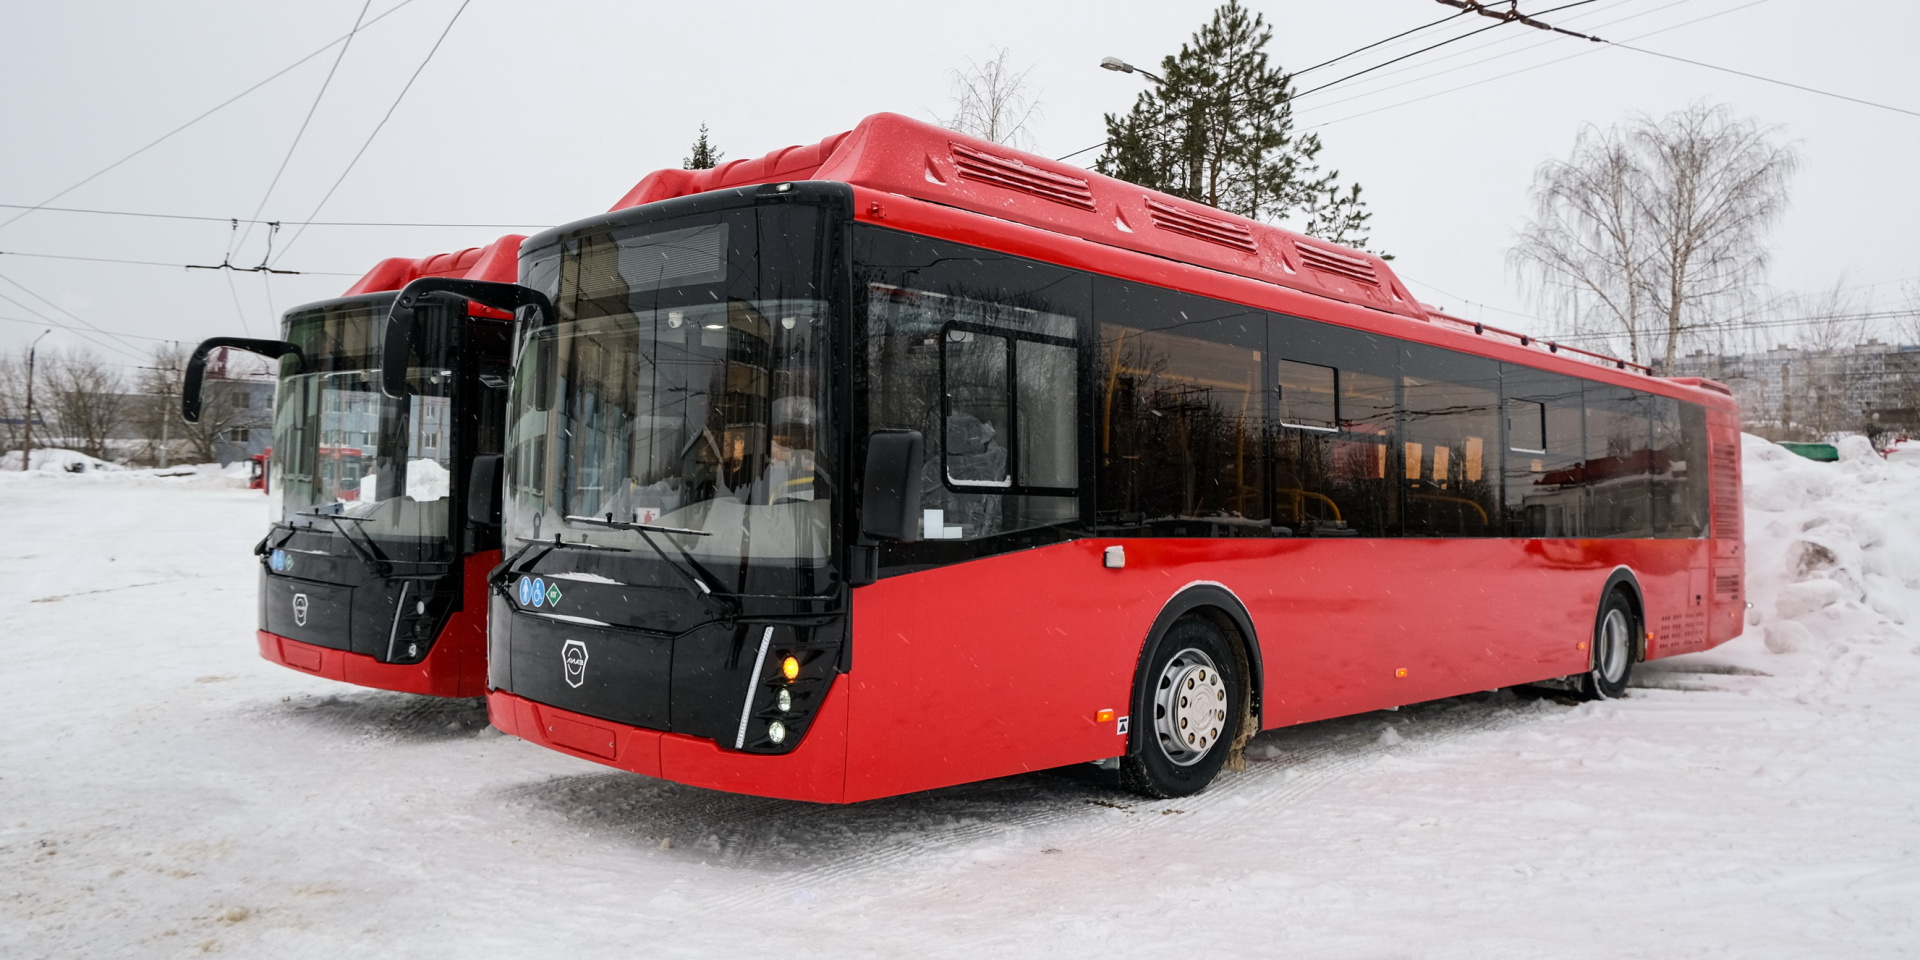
163, 792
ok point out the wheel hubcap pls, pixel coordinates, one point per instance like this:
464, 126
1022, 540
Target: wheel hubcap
1189, 707
1611, 658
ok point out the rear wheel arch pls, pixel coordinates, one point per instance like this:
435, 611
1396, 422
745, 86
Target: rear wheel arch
1223, 608
1623, 581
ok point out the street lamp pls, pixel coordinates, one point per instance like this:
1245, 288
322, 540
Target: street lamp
26, 451
1118, 65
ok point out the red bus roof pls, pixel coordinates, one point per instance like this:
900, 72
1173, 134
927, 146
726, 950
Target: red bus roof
906, 157
498, 261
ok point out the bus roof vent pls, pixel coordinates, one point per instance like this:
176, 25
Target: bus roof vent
1166, 216
1338, 263
1006, 172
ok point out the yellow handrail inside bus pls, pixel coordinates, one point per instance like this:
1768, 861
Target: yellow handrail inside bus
1446, 499
1299, 495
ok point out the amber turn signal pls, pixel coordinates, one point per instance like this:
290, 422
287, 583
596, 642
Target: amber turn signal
1400, 672
1103, 716
790, 667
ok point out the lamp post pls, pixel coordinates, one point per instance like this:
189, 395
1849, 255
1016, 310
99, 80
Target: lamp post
1118, 65
26, 451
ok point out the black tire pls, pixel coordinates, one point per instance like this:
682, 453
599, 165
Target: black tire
1188, 703
1616, 641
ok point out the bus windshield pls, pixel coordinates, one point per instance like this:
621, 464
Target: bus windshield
682, 386
343, 449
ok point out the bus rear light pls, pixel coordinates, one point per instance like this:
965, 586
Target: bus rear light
790, 668
776, 732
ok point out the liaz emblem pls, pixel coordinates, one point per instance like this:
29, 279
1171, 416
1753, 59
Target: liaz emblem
300, 609
573, 662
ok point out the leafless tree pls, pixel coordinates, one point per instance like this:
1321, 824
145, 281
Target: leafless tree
1652, 230
86, 396
993, 101
154, 413
13, 402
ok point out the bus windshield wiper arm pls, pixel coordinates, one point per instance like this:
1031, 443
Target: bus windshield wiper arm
375, 563
705, 585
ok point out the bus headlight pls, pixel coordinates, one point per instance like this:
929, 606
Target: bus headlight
783, 701
776, 732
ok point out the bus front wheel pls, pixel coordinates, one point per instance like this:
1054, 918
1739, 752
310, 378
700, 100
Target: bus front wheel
1189, 701
1616, 635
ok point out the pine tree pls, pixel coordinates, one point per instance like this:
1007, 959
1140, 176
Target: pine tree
1219, 130
704, 156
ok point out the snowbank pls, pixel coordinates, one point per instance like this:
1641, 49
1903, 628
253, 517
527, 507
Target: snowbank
71, 466
54, 459
1831, 547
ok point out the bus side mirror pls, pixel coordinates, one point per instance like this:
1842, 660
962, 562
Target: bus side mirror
483, 491
396, 348
195, 377
890, 493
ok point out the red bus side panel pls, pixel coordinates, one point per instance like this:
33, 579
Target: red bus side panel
1002, 665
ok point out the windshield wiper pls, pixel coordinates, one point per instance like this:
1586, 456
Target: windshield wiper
377, 564
702, 581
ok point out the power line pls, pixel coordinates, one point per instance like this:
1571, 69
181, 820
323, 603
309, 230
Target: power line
382, 124
185, 266
1587, 52
1376, 43
224, 103
284, 223
1755, 76
82, 334
1516, 17
1502, 41
1378, 66
295, 145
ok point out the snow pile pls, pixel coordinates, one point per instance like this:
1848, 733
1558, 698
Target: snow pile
58, 460
427, 481
68, 466
1831, 547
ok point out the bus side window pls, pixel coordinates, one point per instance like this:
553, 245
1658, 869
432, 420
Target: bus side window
1618, 461
1545, 493
1335, 456
975, 428
1179, 421
976, 350
1451, 426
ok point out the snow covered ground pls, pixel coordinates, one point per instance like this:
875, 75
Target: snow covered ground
163, 792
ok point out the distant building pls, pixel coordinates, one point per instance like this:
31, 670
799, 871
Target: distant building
1801, 394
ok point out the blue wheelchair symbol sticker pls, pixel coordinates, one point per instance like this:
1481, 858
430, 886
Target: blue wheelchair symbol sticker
539, 592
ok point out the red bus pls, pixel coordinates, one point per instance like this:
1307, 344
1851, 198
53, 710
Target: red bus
373, 571
905, 459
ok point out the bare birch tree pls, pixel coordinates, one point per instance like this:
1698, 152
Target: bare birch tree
1652, 230
993, 101
86, 396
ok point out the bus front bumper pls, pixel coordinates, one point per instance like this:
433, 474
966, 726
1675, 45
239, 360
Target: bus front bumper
814, 771
455, 667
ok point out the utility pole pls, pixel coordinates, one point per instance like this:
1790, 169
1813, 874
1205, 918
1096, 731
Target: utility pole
26, 452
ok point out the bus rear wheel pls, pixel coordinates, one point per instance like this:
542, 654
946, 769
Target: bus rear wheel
1616, 636
1189, 701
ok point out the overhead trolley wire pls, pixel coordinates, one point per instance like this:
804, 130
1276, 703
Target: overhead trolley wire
379, 126
284, 223
210, 112
186, 266
1587, 52
304, 123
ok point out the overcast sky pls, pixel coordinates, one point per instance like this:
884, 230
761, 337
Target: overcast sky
538, 114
